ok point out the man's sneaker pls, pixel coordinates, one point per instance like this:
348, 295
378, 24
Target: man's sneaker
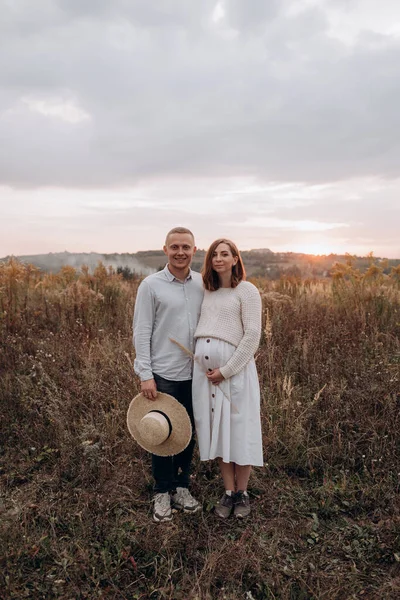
162, 507
182, 499
242, 505
224, 506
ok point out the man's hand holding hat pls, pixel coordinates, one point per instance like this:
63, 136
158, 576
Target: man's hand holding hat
149, 389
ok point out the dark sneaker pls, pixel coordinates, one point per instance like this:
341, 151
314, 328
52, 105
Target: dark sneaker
182, 499
242, 505
224, 506
162, 507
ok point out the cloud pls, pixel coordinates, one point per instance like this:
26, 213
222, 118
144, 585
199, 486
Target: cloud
169, 94
354, 216
273, 122
60, 108
296, 225
250, 16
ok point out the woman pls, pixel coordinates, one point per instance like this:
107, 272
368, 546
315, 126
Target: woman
226, 393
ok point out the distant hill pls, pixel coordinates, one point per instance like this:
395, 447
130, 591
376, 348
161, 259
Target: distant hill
260, 262
53, 262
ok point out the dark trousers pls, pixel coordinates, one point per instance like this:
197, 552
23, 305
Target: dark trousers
170, 472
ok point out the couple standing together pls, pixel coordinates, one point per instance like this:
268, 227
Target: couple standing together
217, 317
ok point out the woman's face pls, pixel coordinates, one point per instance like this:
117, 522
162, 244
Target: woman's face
222, 259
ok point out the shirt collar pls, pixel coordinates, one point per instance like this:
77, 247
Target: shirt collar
172, 277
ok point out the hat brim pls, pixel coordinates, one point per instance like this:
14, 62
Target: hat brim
181, 427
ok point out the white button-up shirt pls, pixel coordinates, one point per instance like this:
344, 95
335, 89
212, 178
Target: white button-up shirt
166, 308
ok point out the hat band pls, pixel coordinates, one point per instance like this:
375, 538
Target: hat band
160, 412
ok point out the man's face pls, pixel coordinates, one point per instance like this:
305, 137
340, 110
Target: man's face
180, 250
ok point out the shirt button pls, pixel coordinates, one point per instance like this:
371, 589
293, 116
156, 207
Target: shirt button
209, 370
208, 341
206, 357
212, 410
213, 396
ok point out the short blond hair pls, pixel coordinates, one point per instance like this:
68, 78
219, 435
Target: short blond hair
178, 230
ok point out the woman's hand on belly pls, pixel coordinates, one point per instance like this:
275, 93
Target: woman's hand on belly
215, 376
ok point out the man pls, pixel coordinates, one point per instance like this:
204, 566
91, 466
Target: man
168, 307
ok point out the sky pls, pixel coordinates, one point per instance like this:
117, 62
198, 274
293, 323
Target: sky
274, 123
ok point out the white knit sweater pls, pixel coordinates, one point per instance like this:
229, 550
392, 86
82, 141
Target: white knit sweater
233, 315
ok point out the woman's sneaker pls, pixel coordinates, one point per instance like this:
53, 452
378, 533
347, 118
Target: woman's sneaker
242, 505
182, 499
225, 506
162, 507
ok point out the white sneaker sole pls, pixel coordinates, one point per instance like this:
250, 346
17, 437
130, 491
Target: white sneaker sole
158, 519
176, 507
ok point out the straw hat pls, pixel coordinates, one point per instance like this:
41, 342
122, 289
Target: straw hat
160, 426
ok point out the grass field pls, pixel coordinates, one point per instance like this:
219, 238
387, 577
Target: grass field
75, 514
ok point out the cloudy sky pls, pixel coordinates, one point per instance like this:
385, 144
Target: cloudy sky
273, 122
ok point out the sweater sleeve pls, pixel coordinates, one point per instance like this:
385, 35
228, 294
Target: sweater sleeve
250, 306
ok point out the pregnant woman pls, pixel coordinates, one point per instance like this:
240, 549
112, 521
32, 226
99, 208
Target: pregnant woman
226, 393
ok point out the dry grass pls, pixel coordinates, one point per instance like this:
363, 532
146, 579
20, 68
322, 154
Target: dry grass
75, 505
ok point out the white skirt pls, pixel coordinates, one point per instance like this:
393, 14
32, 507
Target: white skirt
227, 416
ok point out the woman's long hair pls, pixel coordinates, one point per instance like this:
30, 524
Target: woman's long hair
210, 277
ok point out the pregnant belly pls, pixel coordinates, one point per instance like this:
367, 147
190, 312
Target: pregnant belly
212, 353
